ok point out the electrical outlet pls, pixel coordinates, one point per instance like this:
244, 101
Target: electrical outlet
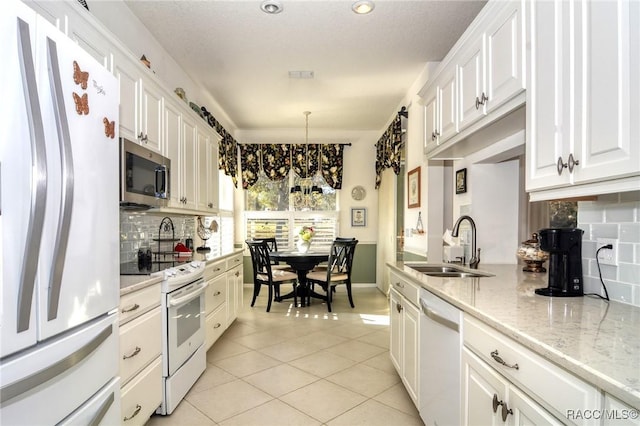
608, 256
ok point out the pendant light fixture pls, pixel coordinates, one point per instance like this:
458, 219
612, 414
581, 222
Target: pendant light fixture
304, 194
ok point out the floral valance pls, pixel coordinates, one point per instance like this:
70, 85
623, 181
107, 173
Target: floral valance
389, 149
227, 148
277, 160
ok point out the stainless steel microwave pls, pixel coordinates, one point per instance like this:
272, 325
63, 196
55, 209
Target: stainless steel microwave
144, 177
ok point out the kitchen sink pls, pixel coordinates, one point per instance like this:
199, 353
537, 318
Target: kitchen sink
447, 271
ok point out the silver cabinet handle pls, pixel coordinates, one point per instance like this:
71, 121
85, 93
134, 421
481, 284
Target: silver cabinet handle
210, 205
218, 325
572, 162
499, 360
505, 410
560, 166
399, 284
135, 413
237, 274
217, 293
134, 353
143, 137
132, 308
399, 307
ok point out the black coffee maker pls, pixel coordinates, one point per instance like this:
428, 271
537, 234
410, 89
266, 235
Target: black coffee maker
565, 261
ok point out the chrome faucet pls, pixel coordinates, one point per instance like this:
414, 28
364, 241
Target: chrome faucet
475, 258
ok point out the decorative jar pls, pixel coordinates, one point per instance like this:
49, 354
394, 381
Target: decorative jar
530, 252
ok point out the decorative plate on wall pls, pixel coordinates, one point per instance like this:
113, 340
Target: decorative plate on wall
358, 193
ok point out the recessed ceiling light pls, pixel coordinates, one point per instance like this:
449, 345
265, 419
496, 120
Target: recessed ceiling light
271, 7
362, 7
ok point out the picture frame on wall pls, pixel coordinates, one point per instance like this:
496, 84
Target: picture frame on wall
359, 216
413, 188
461, 181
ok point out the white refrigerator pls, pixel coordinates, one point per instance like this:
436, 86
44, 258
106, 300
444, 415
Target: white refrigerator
59, 225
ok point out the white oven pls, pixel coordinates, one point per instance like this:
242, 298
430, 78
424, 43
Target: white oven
183, 321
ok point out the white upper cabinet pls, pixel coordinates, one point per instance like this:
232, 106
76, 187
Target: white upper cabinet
130, 82
583, 97
150, 125
173, 134
480, 79
471, 65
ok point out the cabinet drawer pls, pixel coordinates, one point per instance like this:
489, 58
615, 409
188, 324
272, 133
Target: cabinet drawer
234, 261
549, 384
214, 269
406, 288
140, 342
145, 392
134, 304
215, 325
215, 294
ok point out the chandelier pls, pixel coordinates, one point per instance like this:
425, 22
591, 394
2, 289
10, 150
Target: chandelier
306, 192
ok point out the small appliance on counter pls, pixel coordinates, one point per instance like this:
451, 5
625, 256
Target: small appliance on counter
565, 261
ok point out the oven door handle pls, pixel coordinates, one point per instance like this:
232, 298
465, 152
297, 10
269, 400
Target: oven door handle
189, 296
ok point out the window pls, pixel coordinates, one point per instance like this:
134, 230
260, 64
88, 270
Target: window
272, 211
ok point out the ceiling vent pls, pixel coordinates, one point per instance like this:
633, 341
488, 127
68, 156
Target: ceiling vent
301, 74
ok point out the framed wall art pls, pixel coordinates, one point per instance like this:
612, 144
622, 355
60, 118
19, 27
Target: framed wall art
358, 216
413, 188
461, 181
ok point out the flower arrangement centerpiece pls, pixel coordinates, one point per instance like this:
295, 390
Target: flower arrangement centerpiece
305, 235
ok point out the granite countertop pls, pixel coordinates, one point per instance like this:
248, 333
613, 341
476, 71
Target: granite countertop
596, 340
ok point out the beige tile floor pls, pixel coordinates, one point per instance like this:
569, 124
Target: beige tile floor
301, 366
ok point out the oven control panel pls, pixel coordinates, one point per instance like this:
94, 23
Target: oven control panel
183, 274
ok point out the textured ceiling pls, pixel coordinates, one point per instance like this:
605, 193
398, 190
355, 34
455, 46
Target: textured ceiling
363, 64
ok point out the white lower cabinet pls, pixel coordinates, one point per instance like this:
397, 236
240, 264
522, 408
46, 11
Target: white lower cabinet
404, 334
223, 296
489, 399
140, 354
532, 390
616, 412
142, 395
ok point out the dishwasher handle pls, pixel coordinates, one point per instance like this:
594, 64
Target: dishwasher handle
429, 312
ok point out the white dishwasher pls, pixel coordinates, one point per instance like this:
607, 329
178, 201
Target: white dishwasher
440, 347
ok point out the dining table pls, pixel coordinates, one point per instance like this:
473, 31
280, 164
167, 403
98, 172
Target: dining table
302, 263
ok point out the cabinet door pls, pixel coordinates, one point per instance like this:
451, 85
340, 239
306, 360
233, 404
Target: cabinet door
606, 37
173, 137
431, 122
127, 75
549, 129
213, 186
410, 354
471, 76
504, 65
448, 123
525, 411
90, 40
202, 184
395, 314
238, 278
479, 385
188, 163
151, 116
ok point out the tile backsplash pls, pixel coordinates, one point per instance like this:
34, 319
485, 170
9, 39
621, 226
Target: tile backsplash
612, 216
137, 230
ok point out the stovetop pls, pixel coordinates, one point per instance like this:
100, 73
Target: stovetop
140, 268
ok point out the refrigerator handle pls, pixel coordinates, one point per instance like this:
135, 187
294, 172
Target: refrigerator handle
104, 407
38, 194
39, 377
66, 159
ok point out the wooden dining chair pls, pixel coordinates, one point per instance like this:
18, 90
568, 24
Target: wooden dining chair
264, 274
272, 244
323, 265
338, 270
